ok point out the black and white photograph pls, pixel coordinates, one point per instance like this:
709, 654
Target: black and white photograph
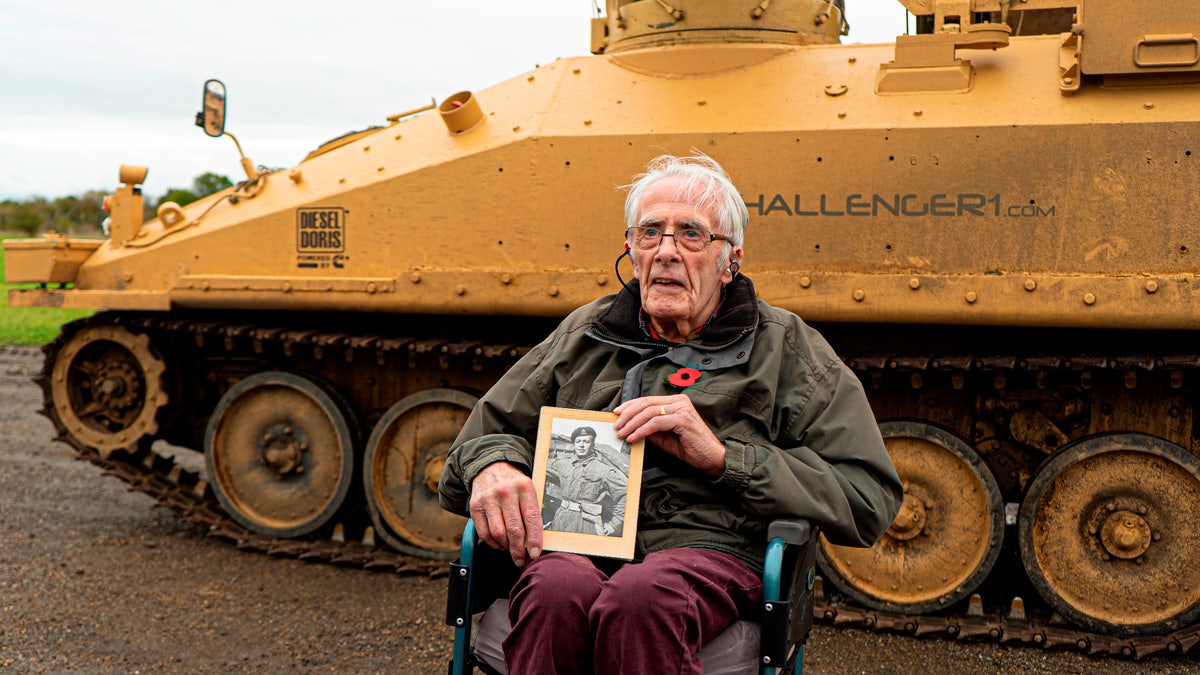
587, 481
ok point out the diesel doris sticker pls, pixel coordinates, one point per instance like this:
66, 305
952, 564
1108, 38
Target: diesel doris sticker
320, 237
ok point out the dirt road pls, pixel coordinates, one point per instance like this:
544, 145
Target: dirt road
94, 579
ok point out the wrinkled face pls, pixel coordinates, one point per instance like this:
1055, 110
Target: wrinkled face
583, 446
678, 285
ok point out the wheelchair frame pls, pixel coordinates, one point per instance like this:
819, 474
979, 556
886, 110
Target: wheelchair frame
786, 608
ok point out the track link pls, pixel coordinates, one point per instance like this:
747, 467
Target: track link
187, 493
1008, 629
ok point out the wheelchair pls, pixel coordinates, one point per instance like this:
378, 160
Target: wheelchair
480, 579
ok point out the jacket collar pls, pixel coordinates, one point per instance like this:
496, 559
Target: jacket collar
737, 316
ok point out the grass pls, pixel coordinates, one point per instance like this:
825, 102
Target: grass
31, 325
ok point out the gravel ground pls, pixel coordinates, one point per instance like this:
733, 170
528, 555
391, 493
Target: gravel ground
94, 579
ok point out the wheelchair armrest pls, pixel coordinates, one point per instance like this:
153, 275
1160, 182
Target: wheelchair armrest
480, 575
458, 603
458, 596
788, 576
795, 532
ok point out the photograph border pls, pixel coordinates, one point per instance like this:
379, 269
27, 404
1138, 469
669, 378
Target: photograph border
588, 544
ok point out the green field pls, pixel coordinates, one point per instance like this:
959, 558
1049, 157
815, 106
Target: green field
30, 325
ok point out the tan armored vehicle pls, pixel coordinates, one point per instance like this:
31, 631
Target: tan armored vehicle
993, 220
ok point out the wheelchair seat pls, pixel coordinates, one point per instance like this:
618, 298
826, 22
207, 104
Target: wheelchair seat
733, 652
773, 644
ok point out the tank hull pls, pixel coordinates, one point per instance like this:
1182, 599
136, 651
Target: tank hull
1081, 197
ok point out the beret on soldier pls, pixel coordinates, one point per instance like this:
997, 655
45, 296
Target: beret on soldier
583, 431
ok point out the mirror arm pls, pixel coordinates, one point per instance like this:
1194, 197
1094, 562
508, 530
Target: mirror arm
247, 165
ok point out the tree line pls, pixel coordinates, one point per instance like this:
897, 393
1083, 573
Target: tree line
83, 214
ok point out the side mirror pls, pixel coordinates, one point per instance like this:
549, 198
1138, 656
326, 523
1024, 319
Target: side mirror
212, 115
211, 118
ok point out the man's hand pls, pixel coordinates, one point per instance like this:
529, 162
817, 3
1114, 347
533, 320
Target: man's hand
672, 423
505, 509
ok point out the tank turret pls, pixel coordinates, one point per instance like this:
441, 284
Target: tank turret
639, 24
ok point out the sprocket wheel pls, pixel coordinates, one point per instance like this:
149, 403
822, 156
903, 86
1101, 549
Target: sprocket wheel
107, 388
403, 462
946, 537
280, 454
1108, 534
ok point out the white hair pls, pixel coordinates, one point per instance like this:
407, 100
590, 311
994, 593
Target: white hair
702, 179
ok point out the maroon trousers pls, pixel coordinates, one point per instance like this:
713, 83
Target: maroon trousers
569, 616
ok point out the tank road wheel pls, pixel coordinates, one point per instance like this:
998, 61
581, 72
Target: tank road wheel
1108, 534
403, 462
106, 388
946, 537
279, 453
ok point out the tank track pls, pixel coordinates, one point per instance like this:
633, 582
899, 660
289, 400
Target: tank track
186, 493
1015, 627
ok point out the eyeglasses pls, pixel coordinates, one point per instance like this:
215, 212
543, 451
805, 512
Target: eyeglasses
690, 237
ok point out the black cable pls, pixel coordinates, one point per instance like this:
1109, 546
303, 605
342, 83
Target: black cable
617, 270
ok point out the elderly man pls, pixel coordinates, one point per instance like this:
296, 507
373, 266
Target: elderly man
748, 416
585, 481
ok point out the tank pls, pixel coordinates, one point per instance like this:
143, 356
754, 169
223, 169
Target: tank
991, 219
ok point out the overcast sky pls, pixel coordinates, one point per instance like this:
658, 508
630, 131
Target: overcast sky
87, 85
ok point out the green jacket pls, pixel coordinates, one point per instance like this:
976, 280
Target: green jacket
799, 435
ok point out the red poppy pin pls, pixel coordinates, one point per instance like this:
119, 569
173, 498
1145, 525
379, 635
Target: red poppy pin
683, 378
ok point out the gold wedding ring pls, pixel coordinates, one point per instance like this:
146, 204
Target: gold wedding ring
662, 410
